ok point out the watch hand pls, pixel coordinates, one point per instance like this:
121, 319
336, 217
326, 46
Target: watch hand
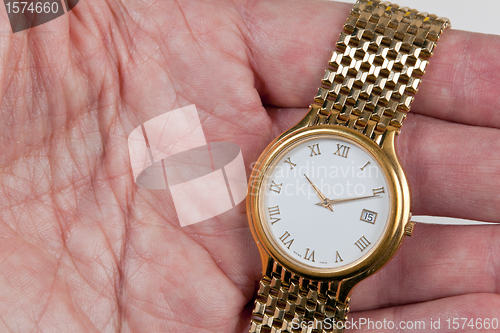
334, 201
320, 195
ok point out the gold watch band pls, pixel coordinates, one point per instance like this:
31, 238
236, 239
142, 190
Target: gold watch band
369, 85
288, 303
376, 67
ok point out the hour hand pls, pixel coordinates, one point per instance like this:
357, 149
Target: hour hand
320, 195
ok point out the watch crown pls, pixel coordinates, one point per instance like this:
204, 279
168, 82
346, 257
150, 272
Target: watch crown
409, 228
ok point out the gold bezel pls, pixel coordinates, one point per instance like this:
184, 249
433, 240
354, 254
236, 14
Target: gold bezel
398, 215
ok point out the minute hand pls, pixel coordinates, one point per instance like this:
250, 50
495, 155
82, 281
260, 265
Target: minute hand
334, 201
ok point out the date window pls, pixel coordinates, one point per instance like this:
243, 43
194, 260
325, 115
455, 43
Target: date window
368, 216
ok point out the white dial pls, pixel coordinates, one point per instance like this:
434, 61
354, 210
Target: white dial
325, 202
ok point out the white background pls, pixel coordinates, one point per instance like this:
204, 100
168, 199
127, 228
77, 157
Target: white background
472, 15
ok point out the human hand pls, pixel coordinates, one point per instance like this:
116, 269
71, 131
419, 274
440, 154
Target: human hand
83, 249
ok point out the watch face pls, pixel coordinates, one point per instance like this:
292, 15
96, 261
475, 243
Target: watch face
325, 202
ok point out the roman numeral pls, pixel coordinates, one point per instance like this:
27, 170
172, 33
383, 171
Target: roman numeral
310, 257
338, 257
276, 187
364, 166
342, 150
289, 161
377, 191
362, 243
315, 149
284, 238
275, 210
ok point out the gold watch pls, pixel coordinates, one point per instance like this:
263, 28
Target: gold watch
329, 203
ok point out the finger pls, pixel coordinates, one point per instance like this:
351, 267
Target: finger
463, 80
438, 261
290, 52
453, 169
467, 313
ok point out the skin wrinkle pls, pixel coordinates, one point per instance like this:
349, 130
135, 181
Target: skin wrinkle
494, 266
122, 51
89, 284
39, 97
81, 314
248, 42
220, 233
204, 245
5, 324
139, 303
119, 284
52, 166
186, 21
13, 126
4, 73
132, 49
107, 242
16, 284
472, 72
73, 155
162, 217
50, 294
157, 210
118, 258
467, 63
165, 68
404, 157
35, 227
62, 220
111, 40
16, 205
185, 251
73, 261
467, 68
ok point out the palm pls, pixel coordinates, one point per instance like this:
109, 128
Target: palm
84, 249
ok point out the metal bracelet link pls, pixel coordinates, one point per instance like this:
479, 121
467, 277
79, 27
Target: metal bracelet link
376, 68
286, 303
